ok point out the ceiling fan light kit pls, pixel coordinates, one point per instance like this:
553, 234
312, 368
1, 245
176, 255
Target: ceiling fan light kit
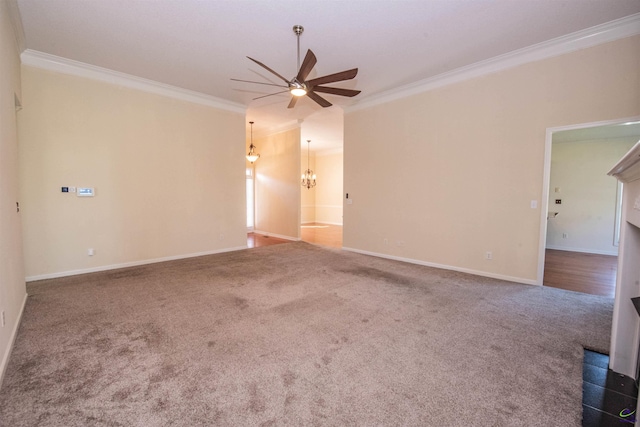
298, 89
299, 86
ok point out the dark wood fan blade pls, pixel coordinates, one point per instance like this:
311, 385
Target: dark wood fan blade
271, 94
258, 83
336, 91
293, 101
269, 69
320, 100
331, 78
307, 65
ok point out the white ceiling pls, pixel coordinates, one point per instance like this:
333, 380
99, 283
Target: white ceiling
201, 44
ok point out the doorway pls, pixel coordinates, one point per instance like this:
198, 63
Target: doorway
581, 205
321, 205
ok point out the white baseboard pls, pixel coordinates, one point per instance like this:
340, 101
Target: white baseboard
128, 264
447, 267
12, 340
279, 236
584, 251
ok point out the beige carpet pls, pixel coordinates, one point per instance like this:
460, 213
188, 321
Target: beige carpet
298, 335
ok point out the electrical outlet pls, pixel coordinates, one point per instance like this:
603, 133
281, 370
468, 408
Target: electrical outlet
221, 236
385, 241
2, 318
488, 255
558, 201
90, 252
565, 235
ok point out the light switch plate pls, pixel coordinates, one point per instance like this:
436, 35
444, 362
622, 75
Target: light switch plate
85, 192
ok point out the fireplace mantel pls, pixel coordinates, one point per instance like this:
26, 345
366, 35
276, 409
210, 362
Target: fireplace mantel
625, 332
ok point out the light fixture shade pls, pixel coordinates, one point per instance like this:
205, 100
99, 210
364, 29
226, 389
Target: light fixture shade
298, 92
252, 156
297, 89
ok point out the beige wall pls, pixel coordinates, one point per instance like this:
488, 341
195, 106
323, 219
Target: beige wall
448, 175
587, 212
328, 203
278, 184
168, 175
308, 195
12, 286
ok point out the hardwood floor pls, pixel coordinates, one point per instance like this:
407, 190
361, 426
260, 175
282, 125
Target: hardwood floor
319, 234
588, 273
255, 240
322, 234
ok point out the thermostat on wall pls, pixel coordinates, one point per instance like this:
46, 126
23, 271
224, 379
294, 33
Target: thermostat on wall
85, 192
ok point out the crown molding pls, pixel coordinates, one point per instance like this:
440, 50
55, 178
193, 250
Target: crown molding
600, 34
58, 64
16, 23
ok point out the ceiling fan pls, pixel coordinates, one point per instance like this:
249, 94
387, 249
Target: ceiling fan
299, 86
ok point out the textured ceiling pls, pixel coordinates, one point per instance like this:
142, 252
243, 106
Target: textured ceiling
201, 44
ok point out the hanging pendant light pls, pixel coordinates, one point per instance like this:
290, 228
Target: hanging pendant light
308, 177
252, 156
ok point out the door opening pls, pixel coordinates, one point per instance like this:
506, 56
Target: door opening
581, 206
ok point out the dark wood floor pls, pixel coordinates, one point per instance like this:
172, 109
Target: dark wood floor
588, 273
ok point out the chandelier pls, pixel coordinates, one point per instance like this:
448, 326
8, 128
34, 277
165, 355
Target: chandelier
308, 177
252, 156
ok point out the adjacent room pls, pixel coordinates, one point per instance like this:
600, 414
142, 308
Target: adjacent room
585, 208
304, 212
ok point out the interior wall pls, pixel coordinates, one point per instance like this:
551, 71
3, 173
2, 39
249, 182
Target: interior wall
278, 198
12, 285
168, 176
446, 176
328, 203
586, 214
308, 195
